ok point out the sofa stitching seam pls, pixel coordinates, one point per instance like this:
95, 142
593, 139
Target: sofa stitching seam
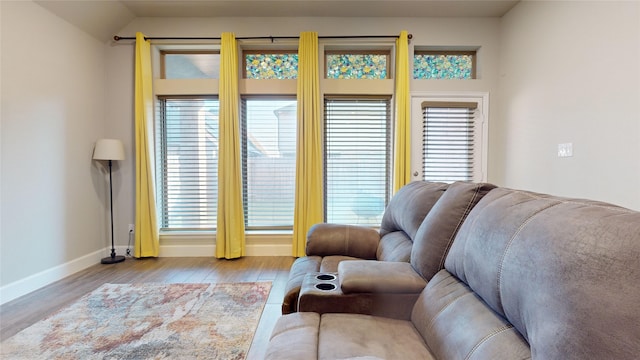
508, 247
446, 306
486, 338
573, 201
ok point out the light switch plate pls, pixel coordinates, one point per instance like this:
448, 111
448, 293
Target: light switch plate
565, 149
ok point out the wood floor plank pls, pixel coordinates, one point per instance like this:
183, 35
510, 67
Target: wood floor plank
23, 312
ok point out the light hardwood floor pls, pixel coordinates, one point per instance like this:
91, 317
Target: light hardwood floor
21, 313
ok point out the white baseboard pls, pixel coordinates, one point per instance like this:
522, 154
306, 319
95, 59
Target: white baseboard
210, 250
34, 282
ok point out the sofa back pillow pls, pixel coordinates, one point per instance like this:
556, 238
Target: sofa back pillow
439, 228
409, 206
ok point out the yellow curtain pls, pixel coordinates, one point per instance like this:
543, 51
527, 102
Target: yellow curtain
402, 143
309, 190
147, 242
230, 237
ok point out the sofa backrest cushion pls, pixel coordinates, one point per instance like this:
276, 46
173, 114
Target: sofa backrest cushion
394, 246
408, 207
438, 229
403, 216
563, 272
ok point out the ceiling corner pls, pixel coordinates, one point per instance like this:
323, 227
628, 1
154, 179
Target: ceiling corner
101, 19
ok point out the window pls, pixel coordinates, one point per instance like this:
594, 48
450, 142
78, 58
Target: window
444, 65
357, 65
188, 161
279, 65
190, 64
357, 159
357, 137
269, 161
451, 139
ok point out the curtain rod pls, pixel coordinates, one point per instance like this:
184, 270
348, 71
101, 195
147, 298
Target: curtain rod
272, 38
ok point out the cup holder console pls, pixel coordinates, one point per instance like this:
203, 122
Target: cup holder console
325, 286
320, 291
326, 277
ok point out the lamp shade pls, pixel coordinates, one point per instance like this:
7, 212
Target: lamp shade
108, 149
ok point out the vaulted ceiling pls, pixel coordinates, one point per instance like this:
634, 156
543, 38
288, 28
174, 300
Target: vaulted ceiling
102, 18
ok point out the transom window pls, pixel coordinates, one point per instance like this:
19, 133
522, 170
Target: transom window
444, 65
190, 64
280, 65
357, 64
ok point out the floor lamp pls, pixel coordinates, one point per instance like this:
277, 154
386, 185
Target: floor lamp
110, 149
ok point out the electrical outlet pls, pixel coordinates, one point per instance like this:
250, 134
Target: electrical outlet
132, 227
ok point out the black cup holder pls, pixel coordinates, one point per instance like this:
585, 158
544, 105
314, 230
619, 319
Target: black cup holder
325, 286
326, 277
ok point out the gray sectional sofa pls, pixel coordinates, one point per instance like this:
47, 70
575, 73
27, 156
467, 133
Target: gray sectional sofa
506, 274
330, 244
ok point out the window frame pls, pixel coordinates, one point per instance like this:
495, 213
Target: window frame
244, 158
161, 180
481, 99
388, 148
274, 87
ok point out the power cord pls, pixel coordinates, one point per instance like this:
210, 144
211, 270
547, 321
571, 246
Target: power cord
129, 244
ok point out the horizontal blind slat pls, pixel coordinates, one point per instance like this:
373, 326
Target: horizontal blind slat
357, 158
189, 163
448, 143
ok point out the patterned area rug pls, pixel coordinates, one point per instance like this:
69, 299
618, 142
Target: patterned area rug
148, 321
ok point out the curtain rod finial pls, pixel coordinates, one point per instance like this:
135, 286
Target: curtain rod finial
410, 36
116, 38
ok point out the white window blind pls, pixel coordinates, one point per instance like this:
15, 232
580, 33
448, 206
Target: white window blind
357, 159
188, 162
449, 141
269, 161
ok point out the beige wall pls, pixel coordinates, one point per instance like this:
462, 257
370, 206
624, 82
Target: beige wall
467, 32
52, 195
569, 72
555, 71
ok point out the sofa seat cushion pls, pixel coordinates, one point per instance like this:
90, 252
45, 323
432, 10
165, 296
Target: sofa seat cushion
309, 336
295, 336
345, 336
457, 324
370, 276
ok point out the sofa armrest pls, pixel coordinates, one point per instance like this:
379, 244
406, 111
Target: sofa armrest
336, 239
361, 276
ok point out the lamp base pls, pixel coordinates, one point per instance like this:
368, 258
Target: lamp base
112, 259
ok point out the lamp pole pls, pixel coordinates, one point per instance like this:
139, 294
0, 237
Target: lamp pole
113, 258
110, 149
